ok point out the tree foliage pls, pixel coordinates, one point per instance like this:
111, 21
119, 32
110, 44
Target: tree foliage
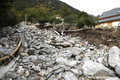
64, 11
7, 15
53, 4
84, 19
39, 14
45, 11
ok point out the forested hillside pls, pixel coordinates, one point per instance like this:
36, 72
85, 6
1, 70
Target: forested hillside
42, 11
54, 4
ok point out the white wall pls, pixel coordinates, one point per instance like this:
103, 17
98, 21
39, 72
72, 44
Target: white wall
105, 24
115, 23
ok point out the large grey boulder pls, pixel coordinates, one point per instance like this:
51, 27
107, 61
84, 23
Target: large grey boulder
113, 78
70, 76
75, 50
117, 70
114, 57
76, 72
66, 54
62, 60
59, 39
91, 68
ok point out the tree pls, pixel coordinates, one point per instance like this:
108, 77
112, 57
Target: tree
7, 15
88, 21
84, 19
39, 14
64, 11
80, 23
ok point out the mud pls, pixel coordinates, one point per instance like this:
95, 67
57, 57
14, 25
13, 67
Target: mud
96, 37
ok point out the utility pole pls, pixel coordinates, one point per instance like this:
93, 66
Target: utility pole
63, 28
25, 18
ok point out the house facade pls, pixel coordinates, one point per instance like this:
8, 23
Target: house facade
110, 19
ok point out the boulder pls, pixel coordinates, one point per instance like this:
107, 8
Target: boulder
1, 47
4, 52
58, 39
43, 58
105, 61
31, 51
91, 47
86, 43
66, 54
60, 75
62, 60
114, 58
72, 41
25, 59
66, 44
4, 39
91, 68
33, 58
117, 70
20, 70
70, 76
100, 60
23, 54
13, 75
25, 44
53, 77
36, 68
76, 72
26, 73
75, 50
113, 78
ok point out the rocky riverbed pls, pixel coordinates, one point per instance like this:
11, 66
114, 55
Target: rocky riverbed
46, 55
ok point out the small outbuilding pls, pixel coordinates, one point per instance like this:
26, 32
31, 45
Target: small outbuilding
110, 19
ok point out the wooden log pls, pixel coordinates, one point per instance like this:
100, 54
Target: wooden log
14, 51
17, 46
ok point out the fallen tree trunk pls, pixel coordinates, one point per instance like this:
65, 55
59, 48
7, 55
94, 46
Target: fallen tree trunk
14, 51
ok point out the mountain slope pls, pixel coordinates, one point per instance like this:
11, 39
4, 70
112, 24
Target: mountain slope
54, 4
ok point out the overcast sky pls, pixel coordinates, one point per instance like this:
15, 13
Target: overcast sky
95, 7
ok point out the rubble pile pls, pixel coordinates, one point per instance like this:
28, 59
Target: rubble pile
49, 56
8, 41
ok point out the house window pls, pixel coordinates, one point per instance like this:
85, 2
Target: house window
118, 12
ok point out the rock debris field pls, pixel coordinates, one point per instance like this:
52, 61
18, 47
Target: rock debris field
46, 55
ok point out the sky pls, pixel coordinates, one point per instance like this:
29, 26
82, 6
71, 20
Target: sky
94, 7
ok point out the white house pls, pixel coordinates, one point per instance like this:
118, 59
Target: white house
110, 18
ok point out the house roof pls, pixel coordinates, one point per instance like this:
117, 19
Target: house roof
110, 15
112, 12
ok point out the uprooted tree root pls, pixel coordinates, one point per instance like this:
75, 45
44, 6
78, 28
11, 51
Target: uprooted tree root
96, 37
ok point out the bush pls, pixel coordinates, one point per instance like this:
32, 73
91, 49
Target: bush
57, 21
80, 24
